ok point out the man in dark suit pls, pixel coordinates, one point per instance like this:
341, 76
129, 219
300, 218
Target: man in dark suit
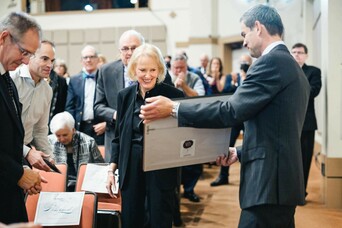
19, 39
272, 104
80, 98
111, 78
313, 74
59, 93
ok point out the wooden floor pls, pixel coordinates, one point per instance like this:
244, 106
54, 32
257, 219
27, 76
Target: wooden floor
219, 206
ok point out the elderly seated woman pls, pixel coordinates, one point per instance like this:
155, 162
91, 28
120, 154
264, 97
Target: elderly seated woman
72, 147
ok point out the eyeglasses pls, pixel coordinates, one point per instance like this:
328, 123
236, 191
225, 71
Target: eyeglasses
91, 57
126, 49
25, 53
298, 52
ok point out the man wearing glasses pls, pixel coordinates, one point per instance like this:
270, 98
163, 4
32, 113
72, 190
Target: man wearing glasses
35, 95
19, 39
112, 78
80, 98
313, 74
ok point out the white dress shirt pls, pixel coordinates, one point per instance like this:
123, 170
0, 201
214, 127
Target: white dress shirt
35, 100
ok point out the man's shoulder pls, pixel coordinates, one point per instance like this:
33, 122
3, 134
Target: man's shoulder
193, 75
112, 65
310, 67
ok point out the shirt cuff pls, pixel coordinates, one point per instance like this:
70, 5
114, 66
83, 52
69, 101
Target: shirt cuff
174, 112
26, 149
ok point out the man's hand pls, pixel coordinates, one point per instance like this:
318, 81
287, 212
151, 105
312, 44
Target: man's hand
35, 158
180, 81
31, 181
100, 128
227, 160
156, 108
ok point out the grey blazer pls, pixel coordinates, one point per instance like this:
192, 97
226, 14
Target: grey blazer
272, 103
110, 80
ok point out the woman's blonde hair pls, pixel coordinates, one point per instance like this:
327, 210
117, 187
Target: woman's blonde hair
147, 50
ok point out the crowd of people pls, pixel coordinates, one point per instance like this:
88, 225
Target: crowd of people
51, 115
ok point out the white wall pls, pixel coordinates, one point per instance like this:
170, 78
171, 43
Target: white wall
186, 19
331, 61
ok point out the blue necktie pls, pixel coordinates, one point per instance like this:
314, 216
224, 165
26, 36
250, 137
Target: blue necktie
90, 76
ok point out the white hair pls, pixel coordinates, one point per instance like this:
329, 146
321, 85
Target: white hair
62, 120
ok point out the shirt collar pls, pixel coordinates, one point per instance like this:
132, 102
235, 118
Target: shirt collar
271, 46
2, 69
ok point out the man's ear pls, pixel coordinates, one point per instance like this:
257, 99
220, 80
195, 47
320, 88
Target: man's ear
3, 36
258, 26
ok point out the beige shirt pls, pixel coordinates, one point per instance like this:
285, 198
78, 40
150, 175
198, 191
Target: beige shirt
35, 100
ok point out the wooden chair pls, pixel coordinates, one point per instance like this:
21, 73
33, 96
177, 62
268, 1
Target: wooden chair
108, 208
88, 215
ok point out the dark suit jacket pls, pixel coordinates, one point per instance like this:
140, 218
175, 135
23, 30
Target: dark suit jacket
228, 87
59, 94
121, 147
272, 102
110, 80
313, 75
12, 207
75, 99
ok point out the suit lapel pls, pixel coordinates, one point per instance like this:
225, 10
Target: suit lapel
9, 103
82, 88
119, 76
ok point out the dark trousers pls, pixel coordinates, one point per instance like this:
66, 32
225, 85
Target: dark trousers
144, 202
234, 134
268, 216
307, 140
87, 128
190, 176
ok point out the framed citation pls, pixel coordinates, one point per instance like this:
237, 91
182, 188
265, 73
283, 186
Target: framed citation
166, 145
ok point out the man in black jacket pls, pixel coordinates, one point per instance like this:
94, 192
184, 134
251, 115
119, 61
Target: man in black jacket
300, 53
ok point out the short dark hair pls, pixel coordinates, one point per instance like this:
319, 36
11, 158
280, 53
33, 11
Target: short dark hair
300, 45
266, 15
48, 42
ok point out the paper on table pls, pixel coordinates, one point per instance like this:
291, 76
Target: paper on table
55, 209
95, 179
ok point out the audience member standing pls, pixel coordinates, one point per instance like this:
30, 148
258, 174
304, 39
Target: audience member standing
204, 59
191, 84
19, 39
80, 99
215, 73
112, 77
272, 102
61, 69
147, 197
59, 93
102, 60
35, 95
300, 53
